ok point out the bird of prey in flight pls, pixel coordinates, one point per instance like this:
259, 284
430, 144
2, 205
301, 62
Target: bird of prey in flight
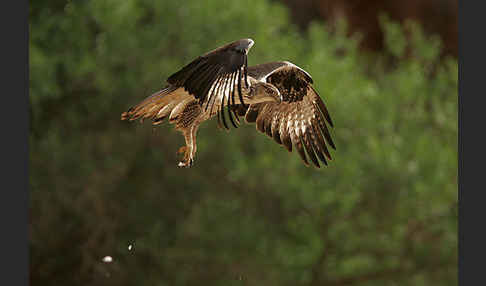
277, 96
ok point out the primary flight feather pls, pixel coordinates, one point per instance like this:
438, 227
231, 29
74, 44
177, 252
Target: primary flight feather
277, 96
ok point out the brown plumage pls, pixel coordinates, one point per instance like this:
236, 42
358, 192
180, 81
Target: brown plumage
277, 96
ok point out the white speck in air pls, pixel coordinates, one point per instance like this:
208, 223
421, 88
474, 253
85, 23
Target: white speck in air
107, 259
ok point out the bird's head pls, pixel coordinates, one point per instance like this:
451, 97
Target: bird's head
263, 92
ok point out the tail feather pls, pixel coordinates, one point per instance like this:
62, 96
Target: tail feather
157, 106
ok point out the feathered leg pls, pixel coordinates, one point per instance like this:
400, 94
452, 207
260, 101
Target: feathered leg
190, 149
194, 145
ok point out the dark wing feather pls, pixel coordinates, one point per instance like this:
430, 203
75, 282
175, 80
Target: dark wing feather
200, 75
220, 97
300, 120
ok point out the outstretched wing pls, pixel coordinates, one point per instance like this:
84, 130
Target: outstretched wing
227, 64
300, 120
212, 80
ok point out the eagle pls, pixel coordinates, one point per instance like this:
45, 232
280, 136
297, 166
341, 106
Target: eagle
278, 96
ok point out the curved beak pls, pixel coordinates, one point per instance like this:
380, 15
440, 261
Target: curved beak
277, 96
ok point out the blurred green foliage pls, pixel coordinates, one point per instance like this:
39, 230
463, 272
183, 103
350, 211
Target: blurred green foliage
248, 213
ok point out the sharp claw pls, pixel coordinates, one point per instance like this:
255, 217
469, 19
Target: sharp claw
185, 164
187, 160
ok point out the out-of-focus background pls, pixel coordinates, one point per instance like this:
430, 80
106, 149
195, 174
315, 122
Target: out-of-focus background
248, 213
